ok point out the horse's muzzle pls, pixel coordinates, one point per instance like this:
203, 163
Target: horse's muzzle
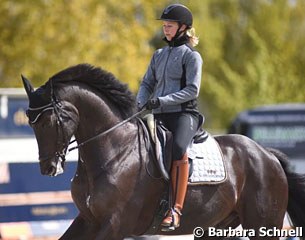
51, 166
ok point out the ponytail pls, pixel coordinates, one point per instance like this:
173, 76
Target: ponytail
194, 40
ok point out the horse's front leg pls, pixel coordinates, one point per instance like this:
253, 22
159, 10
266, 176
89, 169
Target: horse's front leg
80, 230
107, 232
110, 230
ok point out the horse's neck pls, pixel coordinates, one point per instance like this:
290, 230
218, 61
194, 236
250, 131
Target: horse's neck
96, 115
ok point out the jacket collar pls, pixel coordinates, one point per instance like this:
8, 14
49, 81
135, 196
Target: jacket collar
176, 42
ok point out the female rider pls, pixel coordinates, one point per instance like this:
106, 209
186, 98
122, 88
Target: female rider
170, 88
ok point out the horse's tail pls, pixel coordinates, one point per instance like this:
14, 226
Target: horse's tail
296, 186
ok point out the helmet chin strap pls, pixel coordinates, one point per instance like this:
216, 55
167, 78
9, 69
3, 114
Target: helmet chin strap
178, 32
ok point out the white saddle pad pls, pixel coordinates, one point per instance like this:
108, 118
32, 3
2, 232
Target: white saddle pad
208, 165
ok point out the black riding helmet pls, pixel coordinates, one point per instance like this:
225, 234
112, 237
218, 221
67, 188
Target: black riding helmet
177, 13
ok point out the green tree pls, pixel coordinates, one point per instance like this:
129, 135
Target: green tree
252, 55
40, 38
252, 50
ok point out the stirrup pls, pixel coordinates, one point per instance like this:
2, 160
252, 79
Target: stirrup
167, 220
171, 214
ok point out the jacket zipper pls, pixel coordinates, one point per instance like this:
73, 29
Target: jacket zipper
163, 76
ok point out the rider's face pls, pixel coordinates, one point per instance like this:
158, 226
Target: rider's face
169, 29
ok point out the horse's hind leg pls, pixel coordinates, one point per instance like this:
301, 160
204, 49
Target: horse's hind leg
264, 198
261, 213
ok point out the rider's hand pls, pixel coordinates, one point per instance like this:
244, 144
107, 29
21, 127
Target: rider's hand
153, 103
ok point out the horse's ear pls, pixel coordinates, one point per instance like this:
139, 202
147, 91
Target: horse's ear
27, 86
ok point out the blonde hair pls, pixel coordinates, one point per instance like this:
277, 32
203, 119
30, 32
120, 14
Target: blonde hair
194, 40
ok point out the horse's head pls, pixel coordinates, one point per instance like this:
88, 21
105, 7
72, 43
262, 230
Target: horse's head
54, 122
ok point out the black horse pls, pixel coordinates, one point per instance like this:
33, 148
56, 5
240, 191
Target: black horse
116, 187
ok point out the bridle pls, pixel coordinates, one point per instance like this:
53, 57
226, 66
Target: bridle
56, 106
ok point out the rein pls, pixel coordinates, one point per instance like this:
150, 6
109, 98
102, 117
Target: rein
56, 106
105, 132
